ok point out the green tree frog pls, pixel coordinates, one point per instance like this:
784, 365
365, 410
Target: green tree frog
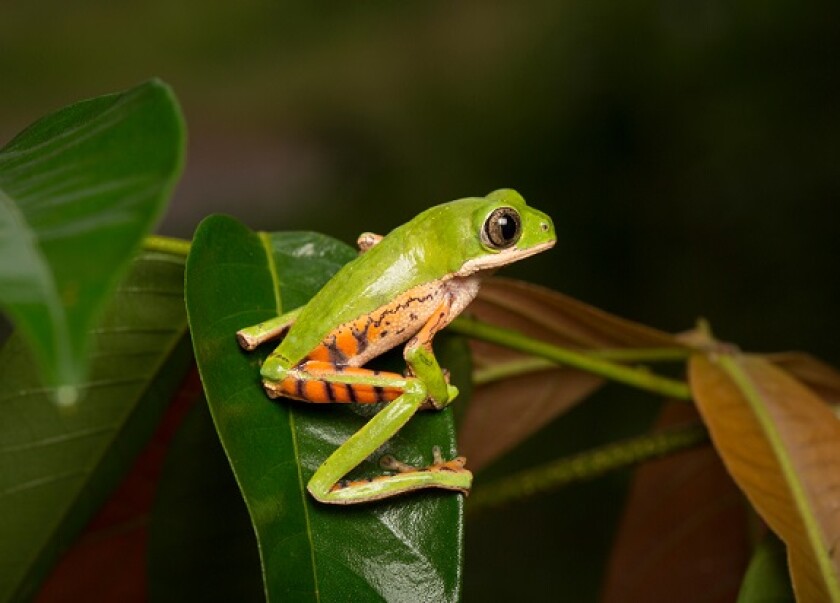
402, 288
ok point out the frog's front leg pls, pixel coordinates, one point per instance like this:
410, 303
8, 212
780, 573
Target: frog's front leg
420, 357
251, 337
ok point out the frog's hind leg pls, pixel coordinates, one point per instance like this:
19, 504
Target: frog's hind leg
318, 381
326, 485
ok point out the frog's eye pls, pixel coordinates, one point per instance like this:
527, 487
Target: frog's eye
502, 228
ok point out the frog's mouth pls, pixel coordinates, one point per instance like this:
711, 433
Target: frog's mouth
502, 258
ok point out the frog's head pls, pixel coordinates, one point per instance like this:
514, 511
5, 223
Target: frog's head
505, 230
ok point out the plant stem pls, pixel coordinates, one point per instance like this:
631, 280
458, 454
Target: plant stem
171, 245
513, 368
636, 377
641, 354
523, 366
586, 465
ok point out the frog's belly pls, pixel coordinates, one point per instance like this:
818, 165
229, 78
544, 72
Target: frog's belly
355, 342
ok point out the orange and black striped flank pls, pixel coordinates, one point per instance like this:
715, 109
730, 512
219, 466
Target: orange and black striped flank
321, 382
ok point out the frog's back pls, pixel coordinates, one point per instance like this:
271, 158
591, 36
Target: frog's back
417, 253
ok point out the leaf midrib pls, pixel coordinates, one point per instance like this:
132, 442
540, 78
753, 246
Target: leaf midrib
275, 282
755, 400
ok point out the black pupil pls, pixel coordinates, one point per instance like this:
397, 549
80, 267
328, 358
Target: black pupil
507, 226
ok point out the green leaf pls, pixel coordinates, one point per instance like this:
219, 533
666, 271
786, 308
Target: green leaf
407, 548
78, 191
58, 464
767, 579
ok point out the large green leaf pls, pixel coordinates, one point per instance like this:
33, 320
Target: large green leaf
78, 191
404, 549
58, 464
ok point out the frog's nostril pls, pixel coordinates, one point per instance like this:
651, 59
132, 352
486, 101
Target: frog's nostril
544, 226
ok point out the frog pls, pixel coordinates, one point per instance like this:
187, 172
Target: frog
402, 289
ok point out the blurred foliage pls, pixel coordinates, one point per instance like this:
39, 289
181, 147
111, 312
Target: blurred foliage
688, 153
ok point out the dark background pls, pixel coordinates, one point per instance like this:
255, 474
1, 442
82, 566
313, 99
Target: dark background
689, 152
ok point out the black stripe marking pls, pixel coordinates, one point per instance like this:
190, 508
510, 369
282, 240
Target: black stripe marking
337, 357
351, 393
361, 337
299, 389
379, 392
330, 391
403, 306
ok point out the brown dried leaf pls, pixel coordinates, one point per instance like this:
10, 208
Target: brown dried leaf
683, 536
823, 378
559, 319
781, 444
504, 413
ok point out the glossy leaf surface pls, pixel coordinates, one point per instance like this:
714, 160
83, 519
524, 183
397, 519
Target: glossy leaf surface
78, 191
408, 548
781, 444
58, 464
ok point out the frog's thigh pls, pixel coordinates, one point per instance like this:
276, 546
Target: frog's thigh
317, 381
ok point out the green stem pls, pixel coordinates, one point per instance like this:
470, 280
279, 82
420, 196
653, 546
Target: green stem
641, 354
636, 377
512, 368
524, 366
586, 465
171, 245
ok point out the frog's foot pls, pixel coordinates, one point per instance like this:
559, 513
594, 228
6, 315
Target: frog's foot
367, 240
410, 373
451, 394
456, 465
446, 475
451, 390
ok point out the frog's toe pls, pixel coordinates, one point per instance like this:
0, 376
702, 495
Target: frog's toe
451, 391
456, 465
389, 463
273, 388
